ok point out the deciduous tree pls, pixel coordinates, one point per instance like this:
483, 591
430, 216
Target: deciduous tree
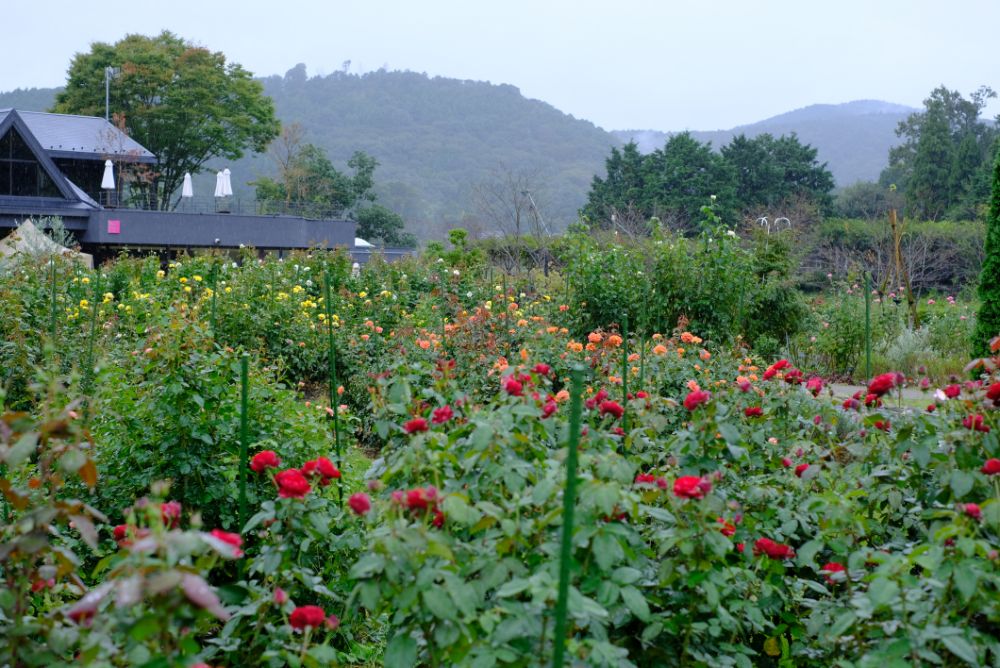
183, 102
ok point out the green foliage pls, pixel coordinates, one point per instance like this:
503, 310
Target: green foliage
944, 162
184, 103
377, 223
988, 319
866, 200
757, 176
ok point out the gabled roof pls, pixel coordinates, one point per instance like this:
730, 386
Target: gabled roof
81, 137
13, 119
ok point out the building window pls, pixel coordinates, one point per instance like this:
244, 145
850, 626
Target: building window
21, 175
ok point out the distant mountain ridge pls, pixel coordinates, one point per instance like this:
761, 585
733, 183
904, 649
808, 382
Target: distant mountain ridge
436, 138
853, 138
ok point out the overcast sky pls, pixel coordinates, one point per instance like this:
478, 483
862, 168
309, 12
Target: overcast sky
660, 64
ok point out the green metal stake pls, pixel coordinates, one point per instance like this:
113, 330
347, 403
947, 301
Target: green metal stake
625, 372
244, 434
215, 290
569, 504
332, 382
868, 326
52, 300
88, 370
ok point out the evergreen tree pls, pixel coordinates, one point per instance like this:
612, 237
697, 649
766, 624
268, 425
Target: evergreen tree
681, 177
623, 189
988, 318
927, 191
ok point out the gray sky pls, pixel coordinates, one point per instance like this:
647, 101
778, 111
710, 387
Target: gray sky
660, 64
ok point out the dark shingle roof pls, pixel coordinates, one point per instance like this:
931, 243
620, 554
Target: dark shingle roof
81, 137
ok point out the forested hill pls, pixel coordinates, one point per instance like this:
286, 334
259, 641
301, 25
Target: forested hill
854, 137
437, 138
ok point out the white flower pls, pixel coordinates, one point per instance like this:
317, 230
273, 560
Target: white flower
455, 272
468, 294
440, 260
731, 233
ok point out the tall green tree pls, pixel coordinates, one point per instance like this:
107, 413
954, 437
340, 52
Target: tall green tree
184, 103
309, 183
771, 172
622, 190
944, 163
681, 176
988, 318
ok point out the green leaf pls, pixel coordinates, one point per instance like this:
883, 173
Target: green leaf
606, 550
961, 648
961, 483
145, 627
636, 602
439, 603
21, 450
882, 591
401, 651
807, 553
966, 580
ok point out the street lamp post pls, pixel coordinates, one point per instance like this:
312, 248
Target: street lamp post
109, 73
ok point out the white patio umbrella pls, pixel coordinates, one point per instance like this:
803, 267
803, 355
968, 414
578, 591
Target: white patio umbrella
108, 180
187, 190
219, 189
227, 184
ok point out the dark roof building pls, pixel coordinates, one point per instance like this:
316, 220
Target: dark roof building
53, 165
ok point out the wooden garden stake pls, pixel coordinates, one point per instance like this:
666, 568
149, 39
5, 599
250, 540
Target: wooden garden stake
569, 503
332, 382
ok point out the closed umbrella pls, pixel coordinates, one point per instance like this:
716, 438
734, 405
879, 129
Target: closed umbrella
219, 189
187, 190
108, 181
227, 185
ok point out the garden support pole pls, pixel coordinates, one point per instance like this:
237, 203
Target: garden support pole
868, 326
244, 434
332, 382
88, 369
215, 289
625, 372
52, 300
569, 503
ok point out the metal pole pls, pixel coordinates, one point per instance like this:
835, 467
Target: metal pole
625, 372
868, 325
244, 434
332, 382
569, 503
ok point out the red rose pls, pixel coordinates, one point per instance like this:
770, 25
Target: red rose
786, 462
322, 467
265, 459
307, 615
753, 411
641, 395
993, 393
851, 404
772, 549
975, 422
800, 469
691, 487
872, 400
292, 484
973, 511
421, 498
442, 415
438, 520
359, 503
549, 408
727, 529
952, 391
280, 596
612, 408
542, 369
233, 539
793, 377
513, 386
931, 408
990, 467
696, 398
883, 425
645, 479
815, 385
170, 513
415, 425
121, 531
881, 385
332, 622
832, 568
